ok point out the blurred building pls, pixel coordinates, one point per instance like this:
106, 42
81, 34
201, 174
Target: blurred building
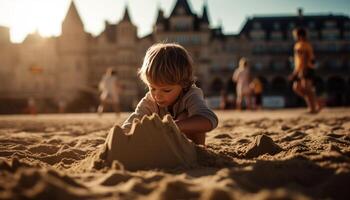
68, 68
270, 44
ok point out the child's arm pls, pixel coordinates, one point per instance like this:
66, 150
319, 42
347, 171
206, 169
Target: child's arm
194, 124
200, 117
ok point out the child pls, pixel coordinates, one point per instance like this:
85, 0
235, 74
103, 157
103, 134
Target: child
304, 71
256, 87
167, 71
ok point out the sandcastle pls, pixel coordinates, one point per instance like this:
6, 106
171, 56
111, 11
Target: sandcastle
151, 143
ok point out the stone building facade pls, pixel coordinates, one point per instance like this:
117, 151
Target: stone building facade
69, 67
270, 49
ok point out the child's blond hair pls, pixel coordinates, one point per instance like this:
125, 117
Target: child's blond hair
167, 63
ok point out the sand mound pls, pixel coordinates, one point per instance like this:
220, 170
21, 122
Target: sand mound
263, 144
151, 143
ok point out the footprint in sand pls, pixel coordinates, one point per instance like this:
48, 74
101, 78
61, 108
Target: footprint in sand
296, 135
223, 136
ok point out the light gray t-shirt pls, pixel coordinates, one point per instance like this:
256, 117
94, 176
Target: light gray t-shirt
190, 102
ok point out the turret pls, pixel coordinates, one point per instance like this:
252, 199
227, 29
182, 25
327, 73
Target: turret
205, 19
126, 30
73, 37
160, 26
182, 18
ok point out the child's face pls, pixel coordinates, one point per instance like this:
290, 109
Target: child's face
165, 95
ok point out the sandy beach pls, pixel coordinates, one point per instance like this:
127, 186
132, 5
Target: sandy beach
282, 154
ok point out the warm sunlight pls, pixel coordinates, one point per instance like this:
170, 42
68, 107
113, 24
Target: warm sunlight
41, 15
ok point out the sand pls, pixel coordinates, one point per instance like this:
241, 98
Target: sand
151, 143
285, 154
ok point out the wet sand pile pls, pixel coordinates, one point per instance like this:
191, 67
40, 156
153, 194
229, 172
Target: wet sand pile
266, 155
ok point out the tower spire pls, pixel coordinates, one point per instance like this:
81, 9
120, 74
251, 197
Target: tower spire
126, 16
73, 14
182, 4
205, 17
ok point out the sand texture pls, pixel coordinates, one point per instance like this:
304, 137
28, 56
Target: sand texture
285, 154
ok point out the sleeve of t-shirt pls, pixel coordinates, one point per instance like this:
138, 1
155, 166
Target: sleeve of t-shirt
144, 107
196, 105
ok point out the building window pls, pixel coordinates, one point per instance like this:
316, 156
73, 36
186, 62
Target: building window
276, 26
347, 35
181, 27
333, 47
276, 35
311, 25
231, 65
347, 47
258, 49
291, 26
215, 68
330, 34
230, 48
258, 66
256, 25
330, 24
278, 65
277, 48
347, 25
257, 35
313, 35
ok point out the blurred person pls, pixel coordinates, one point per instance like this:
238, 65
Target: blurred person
257, 89
167, 71
62, 104
304, 70
242, 78
31, 106
110, 90
223, 100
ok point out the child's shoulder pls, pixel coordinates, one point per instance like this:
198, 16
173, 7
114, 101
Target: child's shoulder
194, 90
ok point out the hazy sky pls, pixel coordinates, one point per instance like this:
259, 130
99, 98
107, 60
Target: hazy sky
25, 16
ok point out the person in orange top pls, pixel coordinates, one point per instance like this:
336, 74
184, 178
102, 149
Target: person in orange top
304, 70
257, 88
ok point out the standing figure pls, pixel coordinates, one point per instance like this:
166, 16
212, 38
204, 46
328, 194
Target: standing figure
223, 100
110, 90
257, 88
242, 78
62, 106
31, 106
304, 71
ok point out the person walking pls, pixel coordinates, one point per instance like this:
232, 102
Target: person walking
304, 70
110, 90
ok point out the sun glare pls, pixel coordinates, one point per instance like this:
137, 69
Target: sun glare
39, 15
